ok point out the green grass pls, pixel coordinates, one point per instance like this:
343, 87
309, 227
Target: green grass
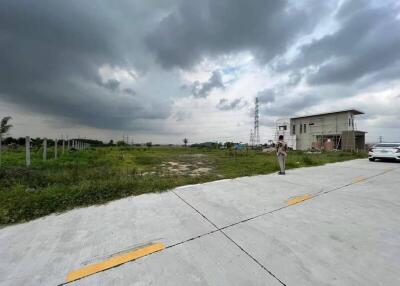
96, 176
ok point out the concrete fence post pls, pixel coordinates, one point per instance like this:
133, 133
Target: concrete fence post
63, 146
55, 148
44, 149
28, 151
68, 145
0, 149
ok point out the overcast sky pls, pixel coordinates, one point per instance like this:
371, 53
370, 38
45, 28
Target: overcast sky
164, 70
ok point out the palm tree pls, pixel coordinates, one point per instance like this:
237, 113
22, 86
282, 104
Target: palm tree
185, 141
4, 128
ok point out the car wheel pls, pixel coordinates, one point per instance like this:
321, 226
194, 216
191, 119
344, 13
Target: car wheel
372, 159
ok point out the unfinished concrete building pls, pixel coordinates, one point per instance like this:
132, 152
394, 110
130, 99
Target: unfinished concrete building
283, 128
325, 131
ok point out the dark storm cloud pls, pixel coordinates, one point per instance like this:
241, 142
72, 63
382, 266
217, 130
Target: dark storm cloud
51, 52
367, 42
225, 104
198, 29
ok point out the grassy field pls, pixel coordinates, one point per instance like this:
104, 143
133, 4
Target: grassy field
95, 176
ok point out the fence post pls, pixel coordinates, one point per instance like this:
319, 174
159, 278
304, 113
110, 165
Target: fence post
55, 148
63, 146
28, 151
44, 149
68, 146
0, 149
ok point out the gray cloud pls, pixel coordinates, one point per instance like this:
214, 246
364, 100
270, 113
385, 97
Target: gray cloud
51, 52
111, 84
290, 105
129, 91
366, 43
182, 115
225, 104
267, 95
203, 89
294, 78
198, 29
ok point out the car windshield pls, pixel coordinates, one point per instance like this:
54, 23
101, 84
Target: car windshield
391, 145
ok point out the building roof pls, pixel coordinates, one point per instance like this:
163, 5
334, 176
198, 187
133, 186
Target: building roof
353, 111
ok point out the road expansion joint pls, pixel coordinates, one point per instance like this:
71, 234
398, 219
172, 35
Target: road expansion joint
217, 229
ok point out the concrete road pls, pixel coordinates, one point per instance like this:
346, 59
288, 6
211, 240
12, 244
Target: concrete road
246, 231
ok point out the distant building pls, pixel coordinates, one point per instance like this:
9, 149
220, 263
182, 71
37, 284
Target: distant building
325, 131
283, 127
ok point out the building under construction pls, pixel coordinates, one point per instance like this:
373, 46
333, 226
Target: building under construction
325, 131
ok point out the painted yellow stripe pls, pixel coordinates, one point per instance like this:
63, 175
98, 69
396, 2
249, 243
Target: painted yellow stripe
298, 199
113, 261
358, 179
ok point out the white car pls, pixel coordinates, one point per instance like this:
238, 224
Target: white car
384, 151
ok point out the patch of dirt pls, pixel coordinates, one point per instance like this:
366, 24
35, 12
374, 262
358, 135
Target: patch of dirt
200, 171
192, 165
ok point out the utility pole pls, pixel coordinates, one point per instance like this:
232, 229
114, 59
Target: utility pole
380, 138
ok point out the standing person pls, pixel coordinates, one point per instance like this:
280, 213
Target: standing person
281, 153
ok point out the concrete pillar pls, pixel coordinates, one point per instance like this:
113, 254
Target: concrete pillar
44, 149
28, 151
55, 148
63, 146
68, 144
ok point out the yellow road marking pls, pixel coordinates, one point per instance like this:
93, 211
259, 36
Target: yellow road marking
113, 261
358, 179
298, 199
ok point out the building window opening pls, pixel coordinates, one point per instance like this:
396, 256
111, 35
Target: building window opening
283, 128
301, 128
305, 128
294, 129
